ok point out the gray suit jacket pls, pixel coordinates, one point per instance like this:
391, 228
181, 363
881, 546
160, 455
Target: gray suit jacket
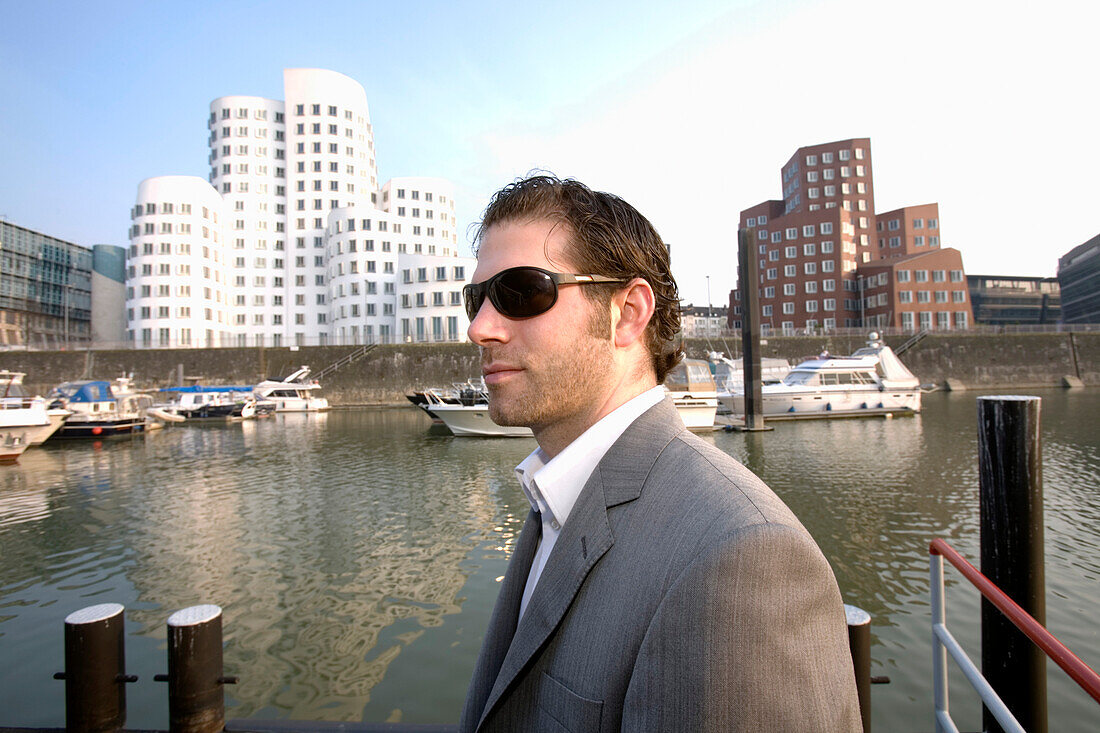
681, 595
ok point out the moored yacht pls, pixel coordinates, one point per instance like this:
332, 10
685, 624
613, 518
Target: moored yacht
98, 411
204, 402
691, 387
872, 381
26, 416
295, 393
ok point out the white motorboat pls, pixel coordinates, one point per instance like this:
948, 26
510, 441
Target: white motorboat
465, 412
25, 418
729, 375
872, 381
691, 387
207, 402
295, 393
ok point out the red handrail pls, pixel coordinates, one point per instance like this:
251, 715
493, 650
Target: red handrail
1082, 674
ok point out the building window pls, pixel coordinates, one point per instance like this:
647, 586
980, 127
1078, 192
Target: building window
923, 296
790, 270
921, 276
791, 252
788, 309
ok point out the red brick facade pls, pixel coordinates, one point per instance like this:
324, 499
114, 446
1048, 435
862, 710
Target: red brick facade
828, 261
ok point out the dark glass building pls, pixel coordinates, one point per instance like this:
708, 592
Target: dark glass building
1013, 301
45, 290
1079, 276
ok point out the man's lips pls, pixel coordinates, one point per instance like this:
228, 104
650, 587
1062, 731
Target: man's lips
496, 372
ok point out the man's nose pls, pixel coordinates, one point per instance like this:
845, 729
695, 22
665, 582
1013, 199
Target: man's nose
488, 326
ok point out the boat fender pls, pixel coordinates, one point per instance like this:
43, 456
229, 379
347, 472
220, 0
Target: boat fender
828, 406
790, 409
880, 406
863, 406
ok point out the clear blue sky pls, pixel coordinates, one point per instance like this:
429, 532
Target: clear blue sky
685, 109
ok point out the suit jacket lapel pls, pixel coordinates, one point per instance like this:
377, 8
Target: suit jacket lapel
584, 538
502, 623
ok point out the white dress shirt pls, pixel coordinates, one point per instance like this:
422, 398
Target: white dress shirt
553, 486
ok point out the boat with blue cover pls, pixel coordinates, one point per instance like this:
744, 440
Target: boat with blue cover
209, 402
100, 409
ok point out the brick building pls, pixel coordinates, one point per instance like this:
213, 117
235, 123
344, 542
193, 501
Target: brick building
810, 243
827, 260
908, 230
921, 291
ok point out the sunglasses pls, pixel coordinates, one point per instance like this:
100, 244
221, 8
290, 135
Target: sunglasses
524, 292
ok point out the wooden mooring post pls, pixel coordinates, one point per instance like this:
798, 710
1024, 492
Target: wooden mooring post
748, 275
1011, 511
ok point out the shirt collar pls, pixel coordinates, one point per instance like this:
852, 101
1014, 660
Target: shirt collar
552, 486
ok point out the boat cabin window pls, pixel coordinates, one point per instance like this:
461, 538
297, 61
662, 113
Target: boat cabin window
830, 378
690, 375
801, 377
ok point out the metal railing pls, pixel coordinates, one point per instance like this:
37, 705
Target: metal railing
944, 643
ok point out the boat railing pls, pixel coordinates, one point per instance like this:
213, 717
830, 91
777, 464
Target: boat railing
943, 643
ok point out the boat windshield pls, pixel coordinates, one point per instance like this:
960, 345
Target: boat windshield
798, 377
688, 376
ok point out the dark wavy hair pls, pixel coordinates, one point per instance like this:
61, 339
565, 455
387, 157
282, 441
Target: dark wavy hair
607, 236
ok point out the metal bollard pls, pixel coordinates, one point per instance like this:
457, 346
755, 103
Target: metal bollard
196, 701
859, 642
95, 669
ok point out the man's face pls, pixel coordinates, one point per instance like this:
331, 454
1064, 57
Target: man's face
551, 371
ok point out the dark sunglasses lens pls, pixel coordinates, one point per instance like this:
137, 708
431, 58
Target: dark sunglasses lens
474, 296
523, 292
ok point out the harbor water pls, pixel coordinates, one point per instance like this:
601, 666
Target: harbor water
357, 554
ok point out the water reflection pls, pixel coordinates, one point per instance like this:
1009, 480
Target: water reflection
357, 556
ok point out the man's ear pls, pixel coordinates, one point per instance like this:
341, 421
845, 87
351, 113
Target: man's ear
636, 304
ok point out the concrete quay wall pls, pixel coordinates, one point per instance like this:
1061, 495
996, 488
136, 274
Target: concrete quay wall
978, 361
388, 372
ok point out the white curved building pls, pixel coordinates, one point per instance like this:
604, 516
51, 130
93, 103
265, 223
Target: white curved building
176, 282
297, 218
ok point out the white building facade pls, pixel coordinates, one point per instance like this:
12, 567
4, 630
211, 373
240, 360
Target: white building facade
292, 241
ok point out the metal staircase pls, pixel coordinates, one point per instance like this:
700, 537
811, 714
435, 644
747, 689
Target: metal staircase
916, 339
354, 356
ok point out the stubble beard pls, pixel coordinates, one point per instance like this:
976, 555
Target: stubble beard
555, 386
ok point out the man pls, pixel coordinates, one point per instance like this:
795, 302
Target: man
657, 585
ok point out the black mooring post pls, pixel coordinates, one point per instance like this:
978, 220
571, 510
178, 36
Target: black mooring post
748, 276
1011, 506
95, 669
859, 643
196, 701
